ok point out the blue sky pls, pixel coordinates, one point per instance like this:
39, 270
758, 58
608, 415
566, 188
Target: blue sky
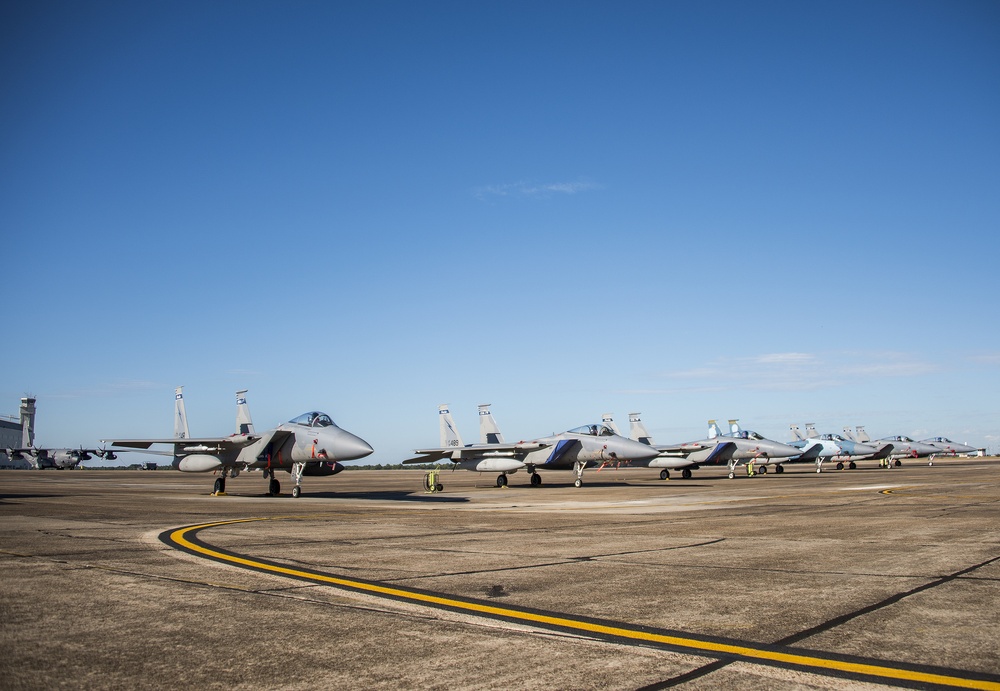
777, 211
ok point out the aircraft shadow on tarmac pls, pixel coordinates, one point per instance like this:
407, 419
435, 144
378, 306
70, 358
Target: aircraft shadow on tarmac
383, 496
5, 497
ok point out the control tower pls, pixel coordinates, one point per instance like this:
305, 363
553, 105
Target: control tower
27, 422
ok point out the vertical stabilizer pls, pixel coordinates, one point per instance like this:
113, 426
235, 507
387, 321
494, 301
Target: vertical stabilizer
449, 433
637, 430
861, 435
27, 422
734, 426
609, 421
713, 429
489, 432
849, 434
797, 433
811, 432
180, 416
244, 425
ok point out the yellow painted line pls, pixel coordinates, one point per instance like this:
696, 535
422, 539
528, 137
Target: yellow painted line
810, 662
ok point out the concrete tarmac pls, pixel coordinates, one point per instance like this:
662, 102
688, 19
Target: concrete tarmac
887, 569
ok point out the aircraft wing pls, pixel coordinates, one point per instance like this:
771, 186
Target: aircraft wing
462, 453
234, 441
23, 453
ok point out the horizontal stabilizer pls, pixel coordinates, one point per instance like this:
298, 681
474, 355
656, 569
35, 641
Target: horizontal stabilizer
428, 458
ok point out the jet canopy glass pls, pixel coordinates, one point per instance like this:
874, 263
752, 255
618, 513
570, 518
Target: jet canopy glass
944, 440
594, 430
747, 434
314, 419
900, 438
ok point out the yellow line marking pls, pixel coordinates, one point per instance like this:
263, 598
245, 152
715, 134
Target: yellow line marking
179, 537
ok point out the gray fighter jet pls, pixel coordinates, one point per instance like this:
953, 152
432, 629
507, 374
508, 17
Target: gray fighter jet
818, 448
948, 447
733, 451
575, 450
310, 444
891, 449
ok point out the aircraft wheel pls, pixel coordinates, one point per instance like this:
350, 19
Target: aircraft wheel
732, 475
898, 463
220, 485
536, 479
819, 470
930, 462
779, 469
840, 466
274, 487
296, 491
439, 487
686, 473
664, 475
501, 480
578, 483
852, 465
762, 470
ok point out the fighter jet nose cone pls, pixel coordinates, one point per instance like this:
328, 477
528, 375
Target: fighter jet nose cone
784, 451
350, 447
642, 452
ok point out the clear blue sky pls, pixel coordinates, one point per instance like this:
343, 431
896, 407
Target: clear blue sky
776, 211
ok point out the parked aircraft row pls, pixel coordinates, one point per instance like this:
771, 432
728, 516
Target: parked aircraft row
312, 444
602, 445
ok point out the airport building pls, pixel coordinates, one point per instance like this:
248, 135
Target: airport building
17, 432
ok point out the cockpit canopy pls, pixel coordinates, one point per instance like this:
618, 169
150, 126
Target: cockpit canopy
314, 419
748, 434
942, 440
900, 437
593, 430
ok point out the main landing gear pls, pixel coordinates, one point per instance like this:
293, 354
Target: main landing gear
502, 480
220, 482
664, 475
273, 487
536, 479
